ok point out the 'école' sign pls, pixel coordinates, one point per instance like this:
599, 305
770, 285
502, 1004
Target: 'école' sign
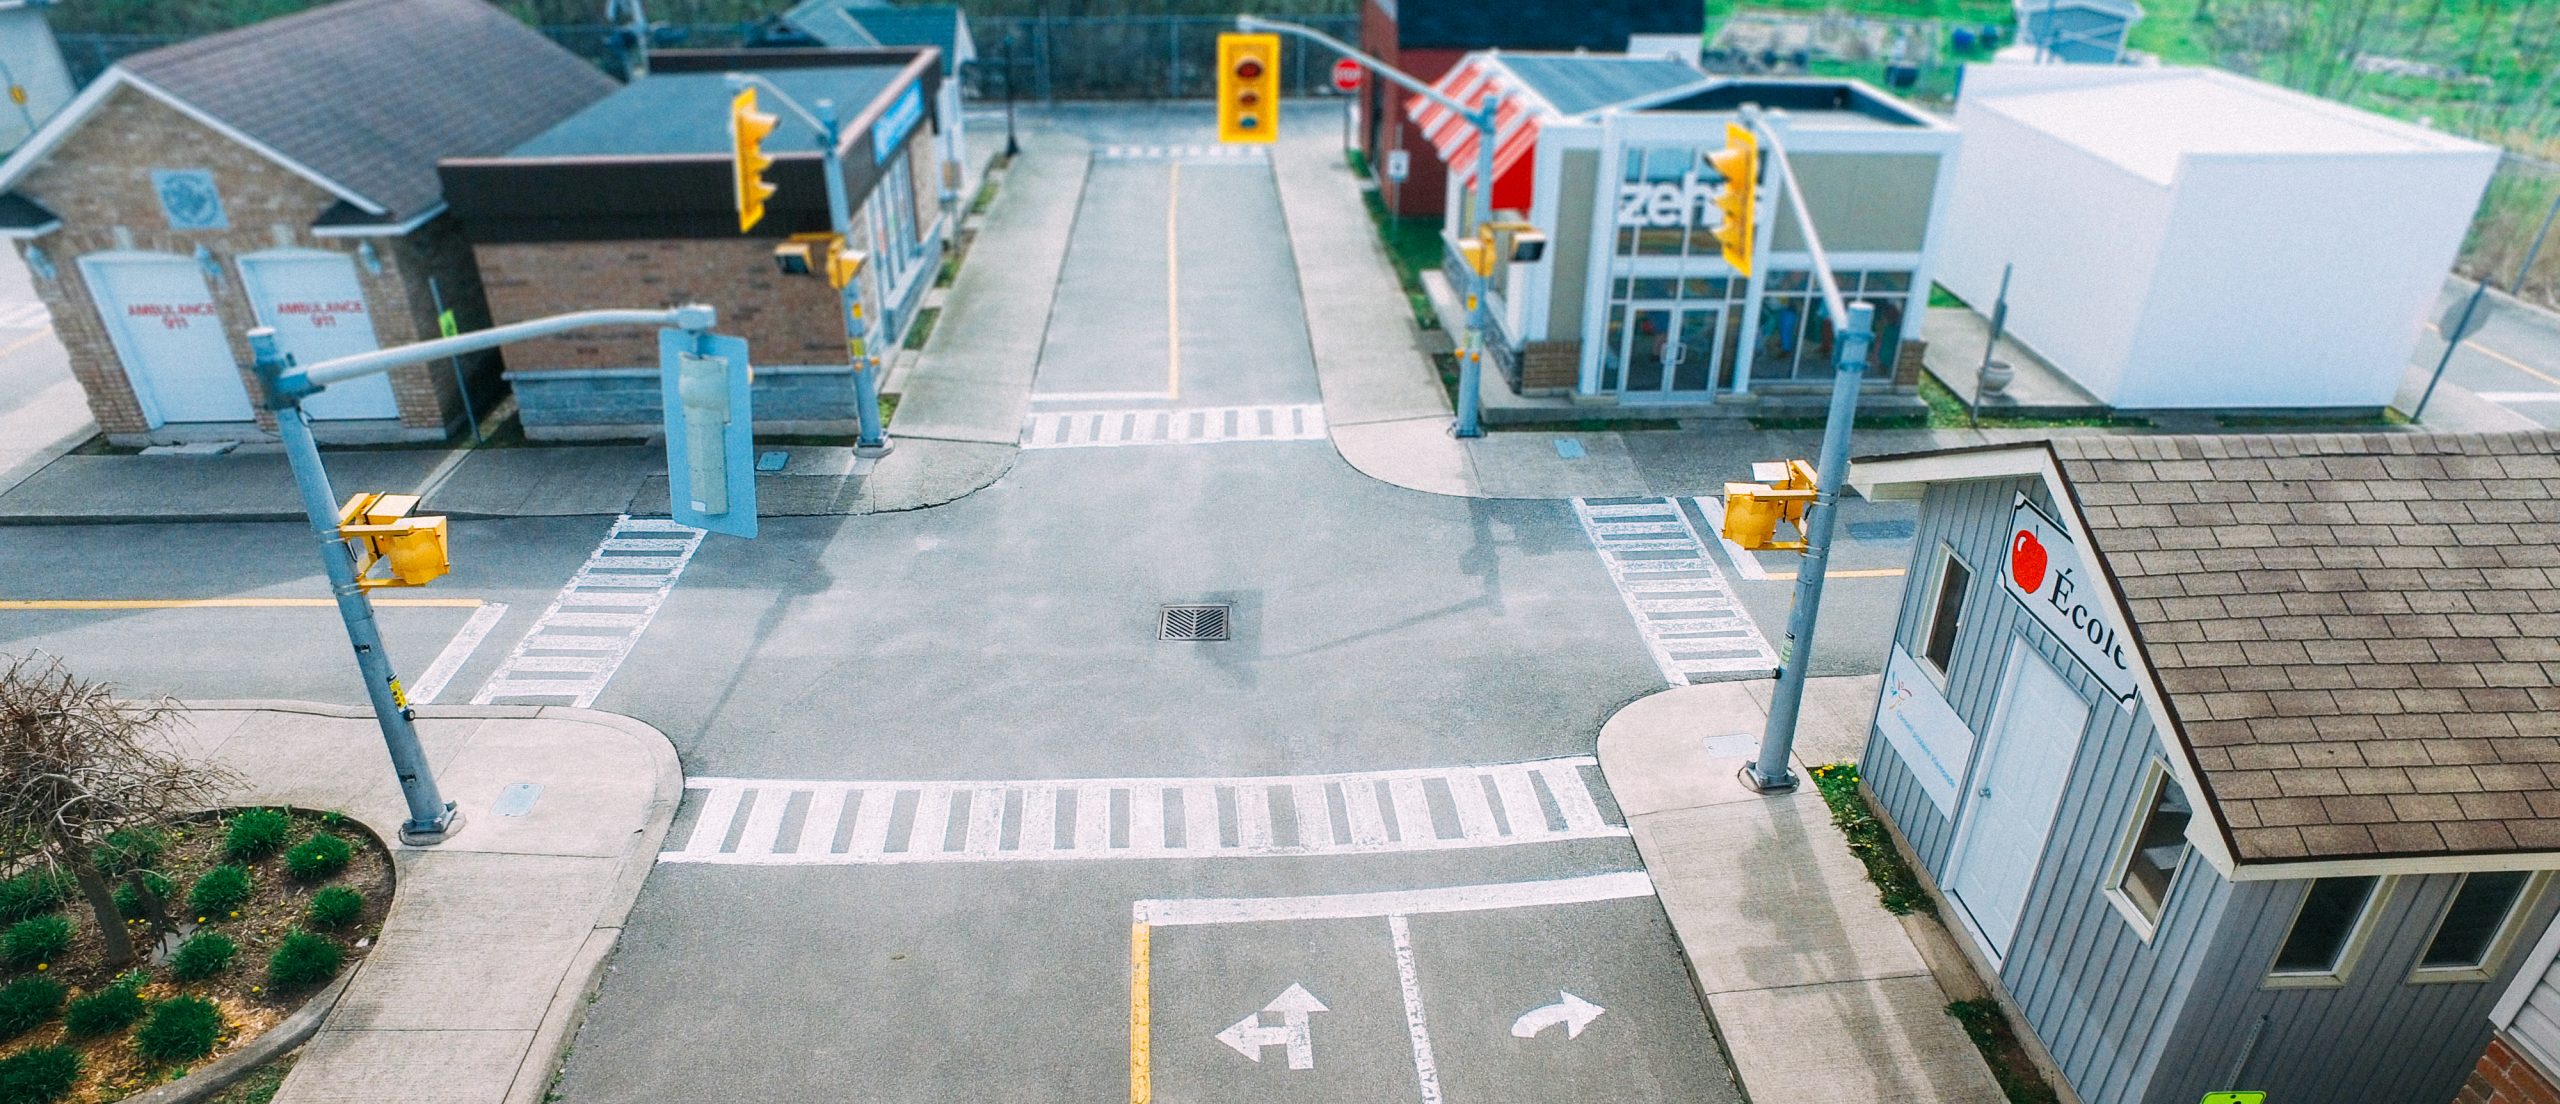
2046, 575
1667, 203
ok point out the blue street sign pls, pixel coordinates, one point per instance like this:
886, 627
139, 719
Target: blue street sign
711, 462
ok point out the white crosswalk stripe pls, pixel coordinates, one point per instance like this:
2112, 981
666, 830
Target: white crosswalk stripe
1211, 152
1182, 426
25, 316
1691, 620
769, 822
573, 650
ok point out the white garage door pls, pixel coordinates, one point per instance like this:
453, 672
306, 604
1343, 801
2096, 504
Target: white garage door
169, 335
312, 299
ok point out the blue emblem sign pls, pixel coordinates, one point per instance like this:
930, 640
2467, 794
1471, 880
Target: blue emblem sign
902, 116
188, 198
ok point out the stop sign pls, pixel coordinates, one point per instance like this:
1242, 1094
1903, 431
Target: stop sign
1346, 75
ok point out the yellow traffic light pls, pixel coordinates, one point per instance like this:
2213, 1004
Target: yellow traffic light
1752, 511
1249, 88
748, 129
379, 529
1739, 161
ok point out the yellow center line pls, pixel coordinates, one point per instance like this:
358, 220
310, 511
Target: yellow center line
2503, 358
1173, 285
1142, 1088
218, 603
23, 342
1855, 573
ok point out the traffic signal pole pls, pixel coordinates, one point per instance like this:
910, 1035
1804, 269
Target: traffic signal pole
432, 819
1483, 118
874, 440
1769, 773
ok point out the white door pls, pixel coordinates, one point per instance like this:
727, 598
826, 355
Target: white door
168, 333
312, 299
2015, 784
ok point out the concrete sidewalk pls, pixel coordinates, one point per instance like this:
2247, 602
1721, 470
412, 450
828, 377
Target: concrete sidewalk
1820, 995
497, 936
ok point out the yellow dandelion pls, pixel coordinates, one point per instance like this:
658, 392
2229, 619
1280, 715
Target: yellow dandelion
41, 965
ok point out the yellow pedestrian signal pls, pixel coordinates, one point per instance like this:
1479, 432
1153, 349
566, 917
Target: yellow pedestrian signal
379, 529
748, 129
1752, 511
1739, 162
1249, 88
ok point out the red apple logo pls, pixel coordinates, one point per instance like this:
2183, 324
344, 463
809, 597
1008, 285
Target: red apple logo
2026, 561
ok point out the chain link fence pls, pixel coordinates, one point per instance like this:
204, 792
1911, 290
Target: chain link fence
2520, 197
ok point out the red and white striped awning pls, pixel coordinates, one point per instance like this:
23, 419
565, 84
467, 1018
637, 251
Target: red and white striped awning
1454, 139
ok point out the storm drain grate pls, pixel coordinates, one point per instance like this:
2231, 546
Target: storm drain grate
1193, 623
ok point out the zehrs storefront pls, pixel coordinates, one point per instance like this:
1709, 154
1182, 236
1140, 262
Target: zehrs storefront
1634, 304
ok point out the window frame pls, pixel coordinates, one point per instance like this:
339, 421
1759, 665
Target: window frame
2349, 951
2501, 944
2156, 778
1929, 612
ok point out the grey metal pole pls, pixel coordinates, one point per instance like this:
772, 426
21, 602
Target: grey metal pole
432, 819
1770, 774
1999, 319
461, 386
864, 360
1480, 285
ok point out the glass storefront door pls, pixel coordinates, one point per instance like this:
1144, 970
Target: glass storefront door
1672, 349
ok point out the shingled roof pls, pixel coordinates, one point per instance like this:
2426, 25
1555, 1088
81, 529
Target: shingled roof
370, 93
2359, 635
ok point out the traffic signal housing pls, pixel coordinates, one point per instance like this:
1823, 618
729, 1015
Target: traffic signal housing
1249, 88
1752, 511
379, 529
1739, 162
748, 129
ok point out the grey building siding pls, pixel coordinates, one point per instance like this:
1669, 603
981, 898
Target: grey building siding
2375, 1040
2101, 998
2162, 1021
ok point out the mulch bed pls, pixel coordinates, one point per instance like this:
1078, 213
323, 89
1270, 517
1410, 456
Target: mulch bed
111, 1066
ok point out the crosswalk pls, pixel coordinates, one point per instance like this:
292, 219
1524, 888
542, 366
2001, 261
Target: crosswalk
578, 643
766, 822
24, 316
1691, 620
1180, 426
1181, 153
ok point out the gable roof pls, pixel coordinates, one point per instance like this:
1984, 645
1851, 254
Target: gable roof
854, 24
362, 96
2357, 636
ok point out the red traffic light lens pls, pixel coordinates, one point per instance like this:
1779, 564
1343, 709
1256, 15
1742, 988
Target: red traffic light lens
1248, 69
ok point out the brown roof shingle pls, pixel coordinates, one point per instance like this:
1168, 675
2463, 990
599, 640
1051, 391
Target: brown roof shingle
370, 93
2360, 634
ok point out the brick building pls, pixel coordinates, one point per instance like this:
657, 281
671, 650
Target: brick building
632, 204
281, 174
1427, 37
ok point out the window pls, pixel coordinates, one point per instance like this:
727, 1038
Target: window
2155, 848
2476, 926
1946, 615
2325, 929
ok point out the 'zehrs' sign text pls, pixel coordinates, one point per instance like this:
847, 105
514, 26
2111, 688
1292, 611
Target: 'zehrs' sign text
2046, 575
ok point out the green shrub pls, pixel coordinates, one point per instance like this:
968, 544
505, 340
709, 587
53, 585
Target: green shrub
335, 907
39, 1076
129, 903
25, 1004
321, 856
106, 1011
255, 834
31, 893
181, 1029
41, 939
218, 891
129, 849
203, 955
303, 960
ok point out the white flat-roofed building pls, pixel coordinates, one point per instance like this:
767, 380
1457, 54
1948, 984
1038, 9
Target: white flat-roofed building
2188, 238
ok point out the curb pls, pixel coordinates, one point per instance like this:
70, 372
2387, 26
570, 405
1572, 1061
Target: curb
223, 1072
